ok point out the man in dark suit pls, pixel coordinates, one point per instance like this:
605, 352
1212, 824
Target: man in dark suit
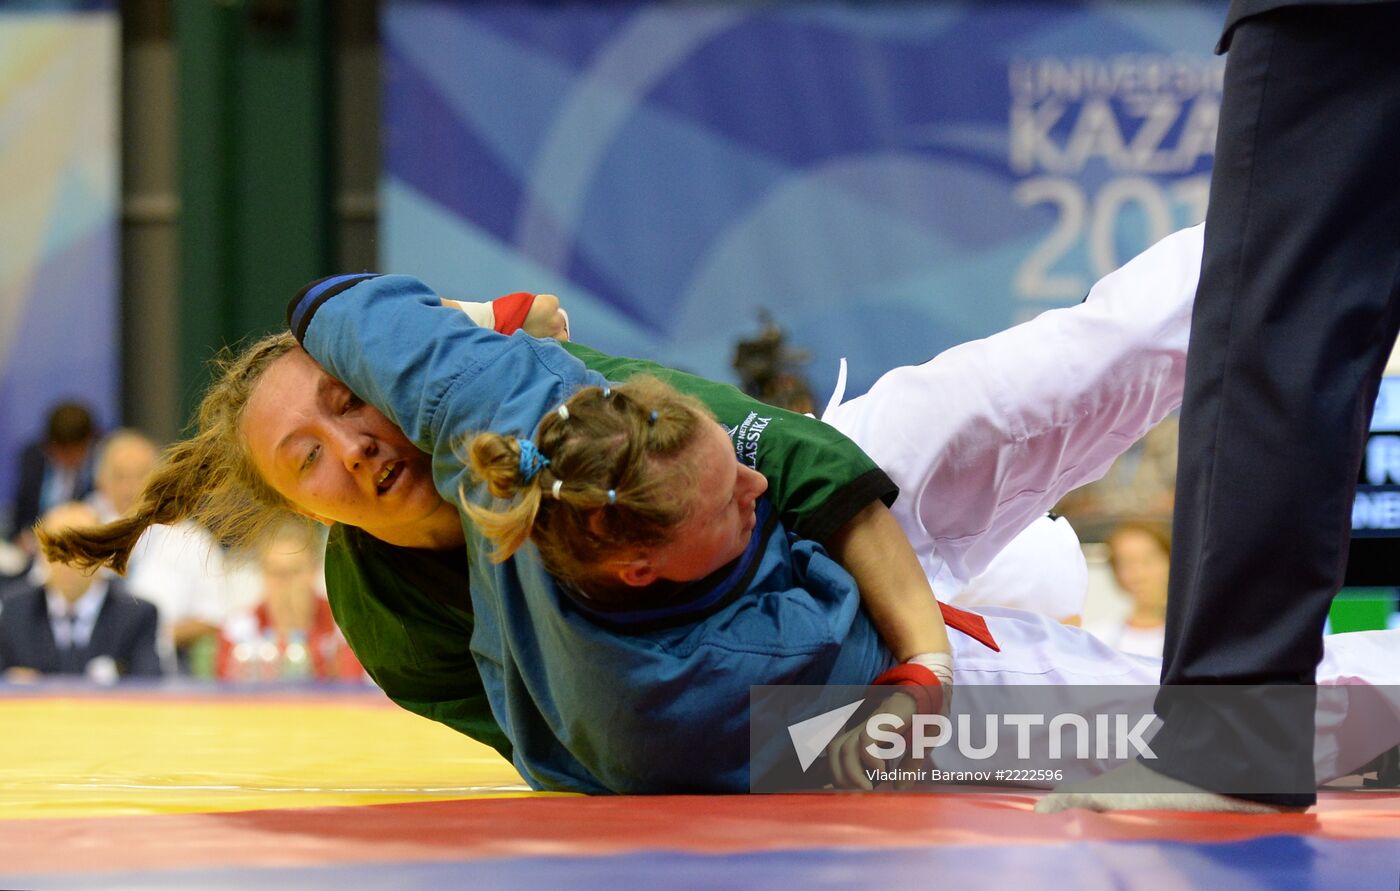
1296, 313
54, 470
76, 622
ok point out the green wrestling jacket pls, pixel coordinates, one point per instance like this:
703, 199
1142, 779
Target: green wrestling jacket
407, 614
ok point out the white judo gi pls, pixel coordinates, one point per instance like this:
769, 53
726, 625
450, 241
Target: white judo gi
986, 437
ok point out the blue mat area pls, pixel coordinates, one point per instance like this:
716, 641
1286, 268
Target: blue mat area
1279, 862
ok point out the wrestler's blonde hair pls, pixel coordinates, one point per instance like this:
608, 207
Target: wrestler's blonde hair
208, 478
625, 440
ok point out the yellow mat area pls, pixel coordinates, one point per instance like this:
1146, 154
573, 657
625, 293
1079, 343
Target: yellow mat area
88, 756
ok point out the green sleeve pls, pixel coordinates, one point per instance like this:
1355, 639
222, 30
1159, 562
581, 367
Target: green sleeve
817, 478
406, 615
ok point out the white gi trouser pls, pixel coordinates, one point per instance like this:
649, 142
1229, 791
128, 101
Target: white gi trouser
986, 437
1066, 669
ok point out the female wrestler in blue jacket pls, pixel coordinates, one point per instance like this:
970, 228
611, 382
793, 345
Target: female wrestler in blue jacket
600, 690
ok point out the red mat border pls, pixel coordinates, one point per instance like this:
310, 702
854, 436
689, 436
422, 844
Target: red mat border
533, 827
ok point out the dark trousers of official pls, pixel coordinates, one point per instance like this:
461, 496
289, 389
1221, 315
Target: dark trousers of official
1295, 317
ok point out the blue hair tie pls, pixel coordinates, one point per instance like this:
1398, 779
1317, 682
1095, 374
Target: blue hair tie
651, 418
531, 461
612, 496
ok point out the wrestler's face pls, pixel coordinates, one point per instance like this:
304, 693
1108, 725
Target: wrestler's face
723, 494
337, 459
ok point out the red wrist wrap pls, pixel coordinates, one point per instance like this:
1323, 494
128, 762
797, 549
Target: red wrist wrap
919, 682
511, 311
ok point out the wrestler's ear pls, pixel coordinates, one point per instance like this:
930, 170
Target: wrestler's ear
638, 573
315, 518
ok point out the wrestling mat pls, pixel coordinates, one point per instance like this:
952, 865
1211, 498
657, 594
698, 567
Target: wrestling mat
177, 787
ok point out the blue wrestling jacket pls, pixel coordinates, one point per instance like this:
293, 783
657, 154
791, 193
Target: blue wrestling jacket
643, 702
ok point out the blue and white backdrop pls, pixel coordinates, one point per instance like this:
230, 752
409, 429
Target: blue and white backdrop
58, 216
887, 179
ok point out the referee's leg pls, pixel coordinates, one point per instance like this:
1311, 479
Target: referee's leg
1293, 322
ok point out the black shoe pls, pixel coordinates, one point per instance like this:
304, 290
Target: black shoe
1386, 766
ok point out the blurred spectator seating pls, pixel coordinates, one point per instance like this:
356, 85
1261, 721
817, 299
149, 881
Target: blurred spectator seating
76, 622
769, 370
53, 470
179, 568
1139, 553
289, 633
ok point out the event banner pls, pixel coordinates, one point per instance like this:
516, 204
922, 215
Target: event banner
884, 179
58, 218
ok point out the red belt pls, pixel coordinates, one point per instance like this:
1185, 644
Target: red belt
971, 624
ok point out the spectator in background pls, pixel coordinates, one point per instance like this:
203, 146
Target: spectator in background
55, 470
768, 369
77, 622
290, 634
179, 568
1140, 554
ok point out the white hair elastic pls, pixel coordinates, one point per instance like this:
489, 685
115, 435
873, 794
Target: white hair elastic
563, 412
558, 484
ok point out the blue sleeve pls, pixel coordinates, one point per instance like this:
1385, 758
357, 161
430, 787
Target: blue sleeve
428, 367
669, 710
